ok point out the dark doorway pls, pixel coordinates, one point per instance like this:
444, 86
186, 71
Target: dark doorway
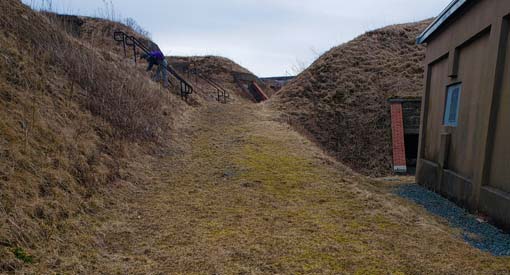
411, 142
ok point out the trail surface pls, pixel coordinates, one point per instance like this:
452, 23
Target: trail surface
248, 195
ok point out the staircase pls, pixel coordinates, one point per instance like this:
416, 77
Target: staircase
186, 89
222, 95
249, 83
257, 92
129, 41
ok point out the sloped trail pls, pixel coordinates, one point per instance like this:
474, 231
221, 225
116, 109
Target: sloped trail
251, 196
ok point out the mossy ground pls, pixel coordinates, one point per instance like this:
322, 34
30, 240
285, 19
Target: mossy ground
251, 196
242, 193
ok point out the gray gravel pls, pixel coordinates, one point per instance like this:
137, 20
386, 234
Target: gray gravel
481, 235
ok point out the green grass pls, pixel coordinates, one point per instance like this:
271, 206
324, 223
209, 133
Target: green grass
22, 255
280, 171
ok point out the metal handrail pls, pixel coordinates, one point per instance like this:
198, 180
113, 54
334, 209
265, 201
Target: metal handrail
221, 92
131, 41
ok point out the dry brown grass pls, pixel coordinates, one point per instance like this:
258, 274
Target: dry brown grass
341, 100
99, 33
251, 196
72, 118
115, 92
107, 88
240, 193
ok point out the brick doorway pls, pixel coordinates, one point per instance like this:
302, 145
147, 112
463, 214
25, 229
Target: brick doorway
405, 125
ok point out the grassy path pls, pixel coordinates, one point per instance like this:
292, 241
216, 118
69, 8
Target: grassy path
251, 196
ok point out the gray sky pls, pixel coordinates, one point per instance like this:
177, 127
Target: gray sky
269, 37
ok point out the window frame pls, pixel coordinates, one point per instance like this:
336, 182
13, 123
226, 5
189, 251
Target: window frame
448, 105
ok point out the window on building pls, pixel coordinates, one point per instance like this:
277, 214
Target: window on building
451, 113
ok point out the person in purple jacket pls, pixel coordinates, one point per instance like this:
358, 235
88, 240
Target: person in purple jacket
157, 58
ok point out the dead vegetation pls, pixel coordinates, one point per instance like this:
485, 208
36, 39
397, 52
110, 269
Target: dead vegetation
99, 32
85, 190
72, 119
252, 196
99, 80
133, 108
341, 100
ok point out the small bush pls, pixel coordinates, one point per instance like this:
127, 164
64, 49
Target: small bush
131, 23
20, 254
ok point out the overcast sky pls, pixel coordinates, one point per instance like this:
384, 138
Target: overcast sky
269, 37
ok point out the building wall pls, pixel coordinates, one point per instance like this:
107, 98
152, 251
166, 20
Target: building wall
464, 141
500, 159
436, 84
470, 163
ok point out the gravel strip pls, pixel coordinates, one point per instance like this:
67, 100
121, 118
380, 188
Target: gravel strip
481, 235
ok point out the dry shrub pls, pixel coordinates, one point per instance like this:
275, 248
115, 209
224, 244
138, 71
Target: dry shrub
115, 92
132, 24
98, 32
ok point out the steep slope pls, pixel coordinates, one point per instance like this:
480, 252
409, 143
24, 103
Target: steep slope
341, 99
223, 71
74, 120
99, 33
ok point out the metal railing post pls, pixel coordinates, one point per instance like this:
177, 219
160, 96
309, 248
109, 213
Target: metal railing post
124, 45
134, 52
185, 88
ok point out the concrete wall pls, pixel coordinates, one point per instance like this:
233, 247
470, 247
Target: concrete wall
411, 111
470, 163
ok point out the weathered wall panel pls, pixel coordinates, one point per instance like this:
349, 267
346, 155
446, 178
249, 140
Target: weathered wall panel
500, 161
438, 79
464, 143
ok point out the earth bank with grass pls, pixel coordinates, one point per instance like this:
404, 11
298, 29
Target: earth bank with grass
104, 172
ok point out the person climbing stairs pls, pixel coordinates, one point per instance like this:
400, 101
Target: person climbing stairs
157, 58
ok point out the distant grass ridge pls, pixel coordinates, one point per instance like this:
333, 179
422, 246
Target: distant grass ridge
340, 101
